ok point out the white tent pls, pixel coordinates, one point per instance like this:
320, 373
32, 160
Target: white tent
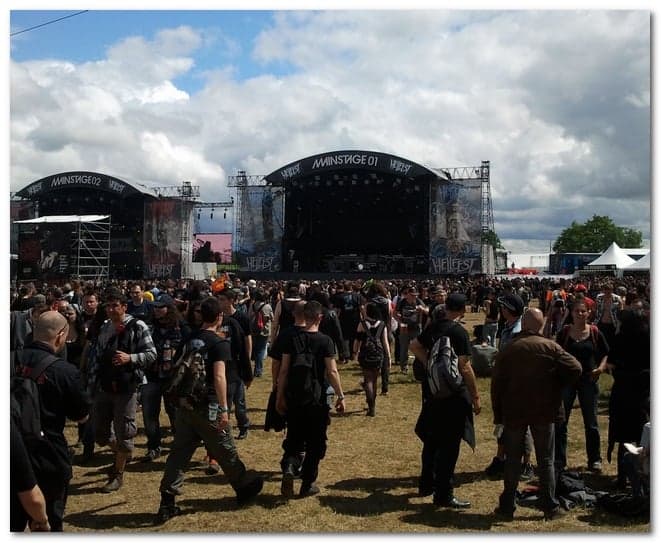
642, 264
612, 258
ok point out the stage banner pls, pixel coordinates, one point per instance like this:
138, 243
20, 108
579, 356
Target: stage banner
45, 250
208, 247
455, 227
162, 239
259, 243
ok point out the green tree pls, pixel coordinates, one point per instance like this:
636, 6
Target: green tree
491, 238
595, 236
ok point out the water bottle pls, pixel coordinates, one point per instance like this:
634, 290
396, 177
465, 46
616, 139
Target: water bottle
213, 410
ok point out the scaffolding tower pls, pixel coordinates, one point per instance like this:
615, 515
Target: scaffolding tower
92, 249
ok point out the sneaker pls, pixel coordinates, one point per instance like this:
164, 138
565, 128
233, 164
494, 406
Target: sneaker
243, 433
371, 411
152, 454
527, 472
595, 466
496, 468
554, 514
502, 514
212, 466
250, 490
166, 512
115, 483
308, 490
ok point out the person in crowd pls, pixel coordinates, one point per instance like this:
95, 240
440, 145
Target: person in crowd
443, 422
307, 423
27, 504
606, 315
373, 352
61, 397
260, 316
235, 325
282, 316
511, 309
26, 298
211, 426
139, 306
378, 294
491, 310
347, 307
528, 377
409, 315
20, 329
125, 349
76, 338
629, 361
588, 345
89, 308
169, 332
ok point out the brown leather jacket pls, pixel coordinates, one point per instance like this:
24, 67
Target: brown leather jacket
527, 381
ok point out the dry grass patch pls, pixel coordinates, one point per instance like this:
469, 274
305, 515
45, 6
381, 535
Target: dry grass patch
368, 478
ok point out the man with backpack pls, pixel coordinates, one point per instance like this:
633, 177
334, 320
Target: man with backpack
44, 408
260, 314
448, 393
308, 361
200, 387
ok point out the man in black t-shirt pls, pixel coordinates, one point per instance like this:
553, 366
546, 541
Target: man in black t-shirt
61, 397
306, 425
208, 422
443, 422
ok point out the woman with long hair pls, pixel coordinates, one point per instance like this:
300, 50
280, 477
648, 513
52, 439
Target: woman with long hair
373, 350
588, 345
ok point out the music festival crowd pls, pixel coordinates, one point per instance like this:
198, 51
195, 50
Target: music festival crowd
102, 352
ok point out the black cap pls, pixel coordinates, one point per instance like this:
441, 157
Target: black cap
513, 302
163, 301
455, 302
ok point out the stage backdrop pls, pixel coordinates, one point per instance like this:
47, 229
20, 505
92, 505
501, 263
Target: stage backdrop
259, 243
455, 227
162, 238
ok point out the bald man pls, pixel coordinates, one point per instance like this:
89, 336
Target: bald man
526, 390
62, 397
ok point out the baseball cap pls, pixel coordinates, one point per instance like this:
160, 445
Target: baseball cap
455, 301
252, 283
580, 288
513, 302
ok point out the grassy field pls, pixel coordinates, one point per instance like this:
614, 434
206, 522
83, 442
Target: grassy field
368, 479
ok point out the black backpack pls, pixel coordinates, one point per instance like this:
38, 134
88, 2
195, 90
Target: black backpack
443, 376
26, 413
188, 386
372, 353
303, 383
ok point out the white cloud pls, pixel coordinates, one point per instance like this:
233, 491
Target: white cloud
558, 101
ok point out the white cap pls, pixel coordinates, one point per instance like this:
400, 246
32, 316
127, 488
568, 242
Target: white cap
252, 283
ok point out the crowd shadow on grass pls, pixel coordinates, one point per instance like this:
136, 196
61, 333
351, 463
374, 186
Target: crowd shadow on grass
375, 504
376, 484
432, 516
96, 519
599, 517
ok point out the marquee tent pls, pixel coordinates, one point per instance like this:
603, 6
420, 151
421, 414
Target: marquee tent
642, 264
613, 258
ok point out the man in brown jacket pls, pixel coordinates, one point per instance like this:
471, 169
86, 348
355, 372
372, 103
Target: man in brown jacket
528, 377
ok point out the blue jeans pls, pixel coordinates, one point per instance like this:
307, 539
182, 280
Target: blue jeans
588, 395
236, 395
259, 343
513, 439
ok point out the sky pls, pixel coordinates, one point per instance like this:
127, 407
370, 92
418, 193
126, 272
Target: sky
557, 101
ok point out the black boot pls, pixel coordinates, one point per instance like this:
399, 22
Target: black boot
167, 509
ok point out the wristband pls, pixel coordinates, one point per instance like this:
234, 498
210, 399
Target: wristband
223, 410
340, 397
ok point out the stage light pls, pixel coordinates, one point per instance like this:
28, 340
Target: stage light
340, 183
198, 215
328, 182
353, 181
354, 175
225, 214
211, 215
336, 177
317, 178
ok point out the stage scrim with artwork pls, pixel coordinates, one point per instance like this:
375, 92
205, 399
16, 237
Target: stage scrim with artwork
455, 227
259, 240
212, 247
162, 238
